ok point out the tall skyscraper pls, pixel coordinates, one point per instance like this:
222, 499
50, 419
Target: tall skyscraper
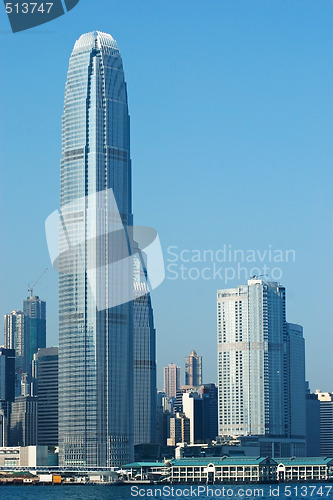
261, 374
46, 376
34, 311
251, 363
7, 391
15, 336
7, 374
25, 331
193, 370
95, 343
171, 380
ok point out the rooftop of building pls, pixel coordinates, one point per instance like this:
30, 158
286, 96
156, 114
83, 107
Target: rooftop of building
233, 461
94, 39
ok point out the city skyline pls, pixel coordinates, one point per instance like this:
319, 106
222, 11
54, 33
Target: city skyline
278, 147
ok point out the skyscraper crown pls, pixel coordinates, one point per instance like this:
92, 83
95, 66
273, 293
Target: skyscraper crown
95, 39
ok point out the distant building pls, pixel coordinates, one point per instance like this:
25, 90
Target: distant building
180, 429
25, 332
164, 410
23, 422
34, 311
326, 423
15, 337
178, 401
193, 370
27, 456
210, 409
193, 409
312, 412
296, 380
7, 374
46, 366
7, 391
171, 380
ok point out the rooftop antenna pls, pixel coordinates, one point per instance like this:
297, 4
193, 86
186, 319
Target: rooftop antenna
31, 287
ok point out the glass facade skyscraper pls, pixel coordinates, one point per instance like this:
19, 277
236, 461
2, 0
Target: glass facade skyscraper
144, 352
95, 343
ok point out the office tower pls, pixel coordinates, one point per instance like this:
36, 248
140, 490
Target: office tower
164, 412
7, 391
193, 410
296, 380
25, 331
15, 337
34, 311
312, 424
326, 423
210, 408
144, 352
178, 401
251, 362
180, 429
7, 374
95, 343
171, 380
23, 421
193, 370
46, 376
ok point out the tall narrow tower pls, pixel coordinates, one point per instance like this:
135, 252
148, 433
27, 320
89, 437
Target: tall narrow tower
95, 339
193, 370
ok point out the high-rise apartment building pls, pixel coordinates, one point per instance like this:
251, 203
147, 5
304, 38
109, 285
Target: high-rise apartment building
180, 432
46, 377
171, 380
95, 338
193, 370
15, 336
251, 364
261, 373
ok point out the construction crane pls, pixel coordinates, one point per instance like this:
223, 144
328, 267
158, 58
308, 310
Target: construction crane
31, 287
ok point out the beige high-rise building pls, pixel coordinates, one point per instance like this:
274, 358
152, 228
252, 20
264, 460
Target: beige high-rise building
171, 380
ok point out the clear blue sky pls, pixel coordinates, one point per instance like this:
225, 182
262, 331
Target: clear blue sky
231, 127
